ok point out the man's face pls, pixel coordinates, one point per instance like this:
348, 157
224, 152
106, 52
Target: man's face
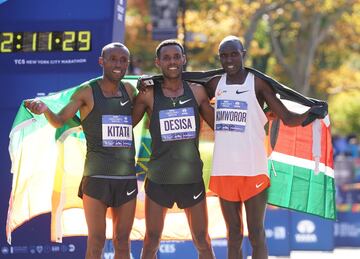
171, 61
231, 56
115, 62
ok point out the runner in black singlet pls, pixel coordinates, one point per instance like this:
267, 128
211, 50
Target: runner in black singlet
109, 175
175, 167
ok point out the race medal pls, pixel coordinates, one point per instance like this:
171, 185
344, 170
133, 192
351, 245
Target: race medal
177, 124
231, 115
116, 131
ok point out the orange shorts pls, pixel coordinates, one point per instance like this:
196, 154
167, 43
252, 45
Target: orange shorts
238, 188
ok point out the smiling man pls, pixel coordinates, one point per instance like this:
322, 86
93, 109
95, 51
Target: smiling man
109, 178
240, 173
175, 167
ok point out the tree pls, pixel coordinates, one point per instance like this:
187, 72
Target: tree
344, 112
297, 32
309, 45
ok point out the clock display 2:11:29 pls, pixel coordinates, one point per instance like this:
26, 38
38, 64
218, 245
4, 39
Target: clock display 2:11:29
64, 41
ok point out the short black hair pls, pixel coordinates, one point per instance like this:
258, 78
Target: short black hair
114, 45
232, 38
168, 43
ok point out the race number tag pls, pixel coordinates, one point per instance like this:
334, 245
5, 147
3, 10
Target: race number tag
116, 131
177, 124
231, 115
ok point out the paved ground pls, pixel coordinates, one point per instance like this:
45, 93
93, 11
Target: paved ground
343, 253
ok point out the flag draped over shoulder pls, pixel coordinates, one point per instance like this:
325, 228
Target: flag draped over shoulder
300, 158
47, 167
301, 167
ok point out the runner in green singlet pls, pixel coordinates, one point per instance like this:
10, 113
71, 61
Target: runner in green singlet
175, 167
109, 179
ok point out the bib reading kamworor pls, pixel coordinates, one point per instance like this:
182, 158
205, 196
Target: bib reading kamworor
231, 115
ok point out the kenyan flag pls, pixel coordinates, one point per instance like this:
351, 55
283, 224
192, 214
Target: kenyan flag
301, 167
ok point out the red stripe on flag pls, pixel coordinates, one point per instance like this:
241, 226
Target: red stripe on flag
297, 141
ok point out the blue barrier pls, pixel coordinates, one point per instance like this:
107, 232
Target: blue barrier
285, 231
311, 233
347, 229
277, 225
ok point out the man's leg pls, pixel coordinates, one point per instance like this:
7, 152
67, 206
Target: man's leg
232, 212
123, 219
154, 220
255, 215
95, 213
198, 222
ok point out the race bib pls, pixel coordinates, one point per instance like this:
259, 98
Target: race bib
231, 115
177, 124
116, 131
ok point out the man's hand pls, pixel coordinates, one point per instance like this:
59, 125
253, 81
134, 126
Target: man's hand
144, 82
36, 106
316, 112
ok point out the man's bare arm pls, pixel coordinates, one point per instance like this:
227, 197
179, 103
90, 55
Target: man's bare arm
210, 87
57, 120
265, 93
205, 108
142, 103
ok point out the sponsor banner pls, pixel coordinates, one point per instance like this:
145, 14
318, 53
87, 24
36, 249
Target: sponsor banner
311, 233
164, 19
72, 248
347, 229
277, 226
118, 33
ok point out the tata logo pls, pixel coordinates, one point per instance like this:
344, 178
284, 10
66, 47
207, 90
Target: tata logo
306, 229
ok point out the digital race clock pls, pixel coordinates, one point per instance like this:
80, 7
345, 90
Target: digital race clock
66, 41
49, 45
64, 36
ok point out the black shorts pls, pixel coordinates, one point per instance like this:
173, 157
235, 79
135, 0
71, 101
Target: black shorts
112, 192
185, 195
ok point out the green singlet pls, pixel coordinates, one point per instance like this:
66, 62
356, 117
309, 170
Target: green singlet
109, 135
174, 129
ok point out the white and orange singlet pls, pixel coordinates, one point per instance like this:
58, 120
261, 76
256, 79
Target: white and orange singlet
239, 169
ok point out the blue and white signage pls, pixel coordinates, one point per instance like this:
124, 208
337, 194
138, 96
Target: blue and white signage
311, 233
347, 229
116, 131
277, 227
177, 124
231, 115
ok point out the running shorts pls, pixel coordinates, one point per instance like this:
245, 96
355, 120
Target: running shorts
184, 195
238, 188
112, 192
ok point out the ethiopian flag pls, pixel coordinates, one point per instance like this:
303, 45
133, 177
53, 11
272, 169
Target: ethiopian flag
47, 167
